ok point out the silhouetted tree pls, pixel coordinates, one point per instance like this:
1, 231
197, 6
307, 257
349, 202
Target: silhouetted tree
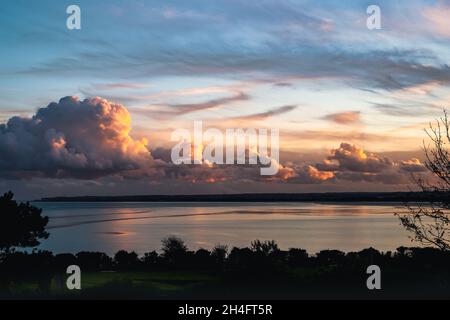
219, 254
125, 260
370, 255
240, 258
150, 259
63, 260
22, 267
430, 223
21, 224
174, 250
203, 259
266, 247
330, 257
43, 268
93, 261
297, 257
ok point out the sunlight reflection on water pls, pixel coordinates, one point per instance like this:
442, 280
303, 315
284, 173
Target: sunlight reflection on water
138, 226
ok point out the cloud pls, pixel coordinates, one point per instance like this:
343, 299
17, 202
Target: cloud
267, 39
172, 110
319, 136
267, 114
346, 163
118, 85
211, 172
437, 17
310, 175
349, 157
179, 109
71, 138
260, 54
6, 114
348, 117
412, 165
411, 110
350, 162
283, 84
91, 139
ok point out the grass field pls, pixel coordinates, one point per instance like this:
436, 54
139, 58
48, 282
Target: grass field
161, 284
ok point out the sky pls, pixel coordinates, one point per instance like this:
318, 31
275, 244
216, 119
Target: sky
91, 111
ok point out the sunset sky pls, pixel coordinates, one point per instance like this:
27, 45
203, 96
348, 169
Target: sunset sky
350, 103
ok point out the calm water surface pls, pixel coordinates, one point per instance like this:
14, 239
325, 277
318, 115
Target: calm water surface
138, 226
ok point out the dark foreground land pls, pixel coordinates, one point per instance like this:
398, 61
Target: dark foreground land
267, 197
261, 271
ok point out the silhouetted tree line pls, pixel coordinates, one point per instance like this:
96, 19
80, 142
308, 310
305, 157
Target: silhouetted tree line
262, 260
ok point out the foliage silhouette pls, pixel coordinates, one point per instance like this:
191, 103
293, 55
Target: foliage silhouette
125, 260
22, 224
262, 269
174, 251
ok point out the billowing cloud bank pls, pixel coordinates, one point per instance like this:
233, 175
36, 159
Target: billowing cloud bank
71, 138
91, 138
346, 163
349, 162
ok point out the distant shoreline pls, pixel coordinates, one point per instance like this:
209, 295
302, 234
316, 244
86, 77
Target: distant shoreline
264, 197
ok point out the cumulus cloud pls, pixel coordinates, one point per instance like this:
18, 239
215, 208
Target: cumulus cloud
90, 139
349, 157
309, 174
350, 162
346, 163
211, 172
71, 138
412, 165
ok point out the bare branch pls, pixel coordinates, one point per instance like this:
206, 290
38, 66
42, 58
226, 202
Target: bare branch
430, 223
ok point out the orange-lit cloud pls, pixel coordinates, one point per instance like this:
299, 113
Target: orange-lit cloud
412, 165
319, 175
350, 162
352, 158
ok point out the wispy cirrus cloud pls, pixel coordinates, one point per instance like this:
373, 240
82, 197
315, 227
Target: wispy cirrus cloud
381, 69
407, 109
165, 111
266, 114
118, 85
